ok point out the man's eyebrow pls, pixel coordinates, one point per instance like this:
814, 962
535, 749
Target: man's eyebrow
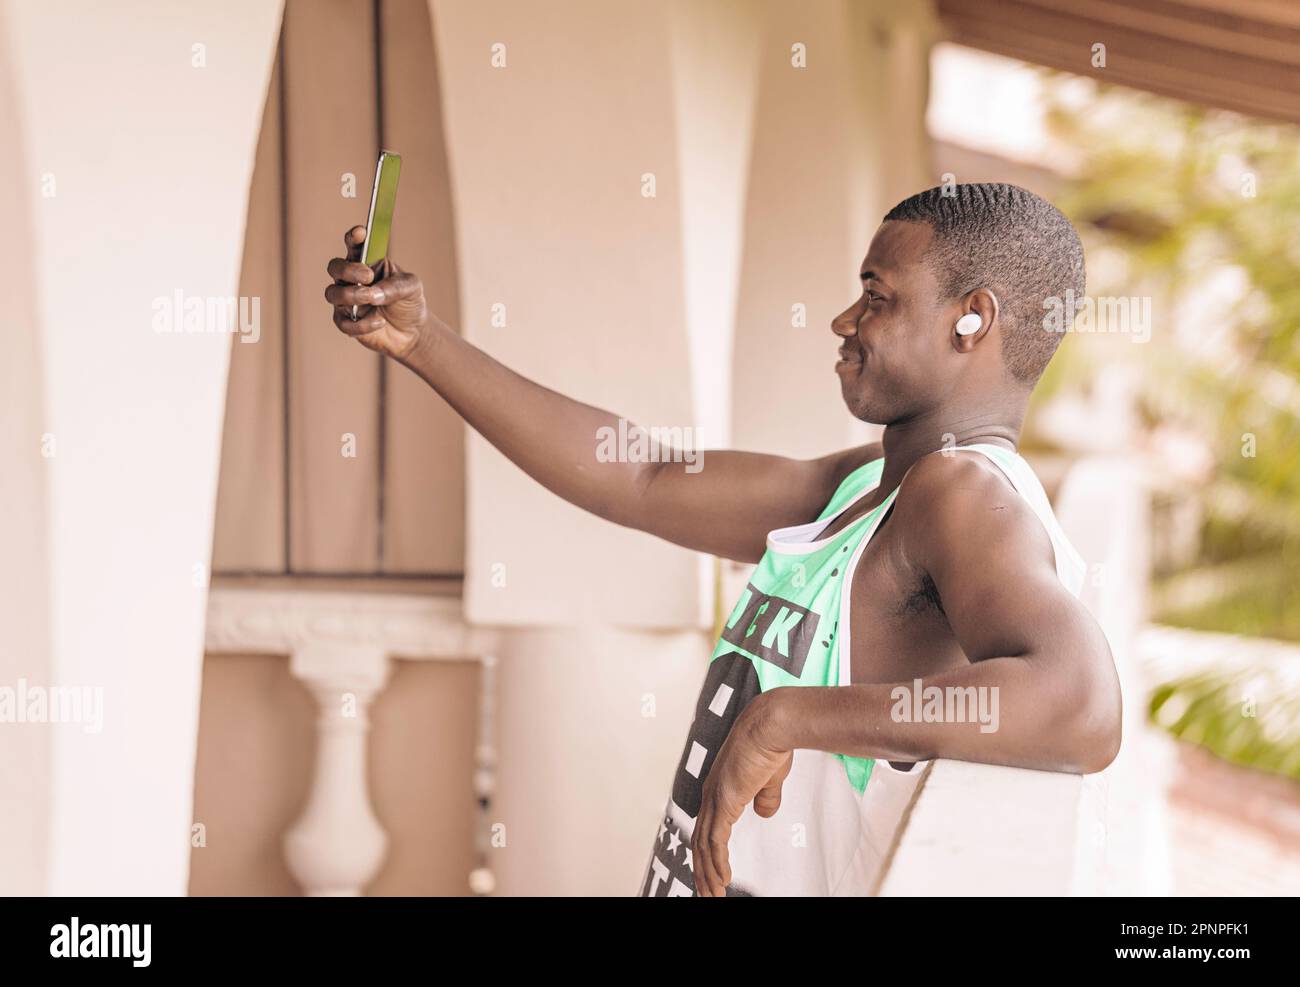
871, 276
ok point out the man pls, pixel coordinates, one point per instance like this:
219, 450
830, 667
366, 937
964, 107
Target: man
913, 599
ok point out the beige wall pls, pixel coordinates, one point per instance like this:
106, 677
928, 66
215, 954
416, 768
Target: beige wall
150, 155
715, 49
836, 144
304, 386
25, 751
252, 773
249, 529
547, 157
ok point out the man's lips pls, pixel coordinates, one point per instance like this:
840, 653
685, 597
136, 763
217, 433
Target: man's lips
849, 358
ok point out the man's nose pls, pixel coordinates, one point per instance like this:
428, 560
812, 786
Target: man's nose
845, 325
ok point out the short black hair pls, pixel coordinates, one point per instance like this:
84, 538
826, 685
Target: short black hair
1002, 237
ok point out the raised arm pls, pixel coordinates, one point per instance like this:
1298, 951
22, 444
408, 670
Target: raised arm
725, 508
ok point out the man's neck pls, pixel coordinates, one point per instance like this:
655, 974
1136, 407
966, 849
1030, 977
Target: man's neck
907, 441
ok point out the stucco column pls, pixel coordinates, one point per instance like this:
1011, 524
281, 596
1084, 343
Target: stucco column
133, 150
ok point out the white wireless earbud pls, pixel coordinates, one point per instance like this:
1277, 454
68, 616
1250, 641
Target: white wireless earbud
969, 324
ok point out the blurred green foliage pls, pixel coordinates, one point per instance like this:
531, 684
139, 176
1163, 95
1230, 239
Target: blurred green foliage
1200, 209
1212, 710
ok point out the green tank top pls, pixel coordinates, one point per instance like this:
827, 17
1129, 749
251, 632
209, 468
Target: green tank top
787, 621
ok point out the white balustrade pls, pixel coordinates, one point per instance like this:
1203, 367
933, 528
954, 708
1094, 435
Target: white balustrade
341, 646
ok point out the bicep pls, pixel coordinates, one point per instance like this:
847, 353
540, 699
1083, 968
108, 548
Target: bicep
994, 566
998, 582
727, 501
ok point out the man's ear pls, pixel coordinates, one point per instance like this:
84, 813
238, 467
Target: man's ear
978, 312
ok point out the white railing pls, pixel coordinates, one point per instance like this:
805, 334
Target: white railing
341, 646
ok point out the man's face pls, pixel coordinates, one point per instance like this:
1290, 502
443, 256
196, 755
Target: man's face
895, 348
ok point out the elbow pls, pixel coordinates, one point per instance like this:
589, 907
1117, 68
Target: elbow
1101, 744
1096, 726
627, 504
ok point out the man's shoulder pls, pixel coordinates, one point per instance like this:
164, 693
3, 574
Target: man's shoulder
955, 478
953, 496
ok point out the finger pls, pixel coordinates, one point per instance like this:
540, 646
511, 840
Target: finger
366, 322
713, 861
699, 865
353, 240
719, 858
349, 271
768, 799
700, 855
371, 321
395, 288
345, 323
349, 294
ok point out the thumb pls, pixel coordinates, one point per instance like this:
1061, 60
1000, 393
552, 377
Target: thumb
768, 799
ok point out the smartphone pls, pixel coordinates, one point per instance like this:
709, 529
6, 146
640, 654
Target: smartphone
383, 197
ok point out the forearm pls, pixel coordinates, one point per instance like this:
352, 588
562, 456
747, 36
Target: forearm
998, 711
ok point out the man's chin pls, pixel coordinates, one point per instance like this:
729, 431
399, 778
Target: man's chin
860, 404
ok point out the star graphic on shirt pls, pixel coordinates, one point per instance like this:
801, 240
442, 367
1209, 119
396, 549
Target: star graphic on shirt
689, 862
674, 841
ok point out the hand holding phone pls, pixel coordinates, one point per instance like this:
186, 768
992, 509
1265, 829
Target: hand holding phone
365, 278
383, 200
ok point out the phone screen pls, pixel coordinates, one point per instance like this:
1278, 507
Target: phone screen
382, 200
